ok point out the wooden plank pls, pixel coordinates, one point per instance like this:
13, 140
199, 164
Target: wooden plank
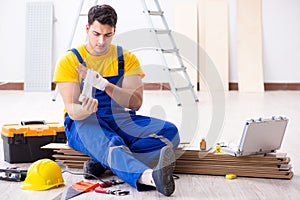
198, 155
213, 39
66, 157
286, 175
186, 23
230, 163
76, 166
200, 165
249, 45
70, 161
229, 169
69, 152
56, 146
217, 171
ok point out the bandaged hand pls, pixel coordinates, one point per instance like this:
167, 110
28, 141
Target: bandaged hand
95, 79
89, 105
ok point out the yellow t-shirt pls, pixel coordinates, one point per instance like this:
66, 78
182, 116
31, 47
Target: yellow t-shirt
106, 65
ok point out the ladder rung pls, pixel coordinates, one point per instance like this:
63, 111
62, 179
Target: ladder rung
177, 69
169, 50
83, 14
159, 13
165, 31
184, 88
162, 31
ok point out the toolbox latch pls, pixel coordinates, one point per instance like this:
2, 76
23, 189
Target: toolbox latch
19, 139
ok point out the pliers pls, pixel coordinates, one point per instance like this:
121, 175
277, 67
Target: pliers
113, 192
111, 183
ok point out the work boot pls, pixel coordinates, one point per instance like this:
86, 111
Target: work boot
92, 169
163, 172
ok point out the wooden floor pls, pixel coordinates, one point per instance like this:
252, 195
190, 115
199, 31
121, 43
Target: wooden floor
18, 105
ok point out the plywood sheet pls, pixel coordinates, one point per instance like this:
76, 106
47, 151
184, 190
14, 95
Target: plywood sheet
249, 45
185, 23
213, 39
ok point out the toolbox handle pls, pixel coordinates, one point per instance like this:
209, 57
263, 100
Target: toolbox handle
24, 123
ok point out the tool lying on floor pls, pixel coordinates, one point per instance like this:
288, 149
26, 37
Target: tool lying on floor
80, 188
110, 183
114, 192
83, 186
13, 174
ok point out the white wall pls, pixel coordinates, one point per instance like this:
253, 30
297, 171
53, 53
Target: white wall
281, 40
281, 34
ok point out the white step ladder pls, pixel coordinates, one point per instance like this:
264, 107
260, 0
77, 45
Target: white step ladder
165, 30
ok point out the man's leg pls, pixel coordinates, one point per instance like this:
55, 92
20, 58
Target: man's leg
146, 136
98, 141
153, 142
157, 139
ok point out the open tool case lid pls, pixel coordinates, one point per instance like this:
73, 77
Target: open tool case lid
262, 136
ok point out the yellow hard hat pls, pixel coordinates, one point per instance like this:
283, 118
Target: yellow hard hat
43, 175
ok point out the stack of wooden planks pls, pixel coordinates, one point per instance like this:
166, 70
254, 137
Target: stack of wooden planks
66, 155
262, 166
275, 166
70, 157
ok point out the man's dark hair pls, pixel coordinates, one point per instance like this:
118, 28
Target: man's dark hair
104, 14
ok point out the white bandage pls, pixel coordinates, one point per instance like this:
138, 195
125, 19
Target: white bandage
95, 79
86, 91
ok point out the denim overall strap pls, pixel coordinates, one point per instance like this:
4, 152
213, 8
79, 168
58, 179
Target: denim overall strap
120, 57
75, 51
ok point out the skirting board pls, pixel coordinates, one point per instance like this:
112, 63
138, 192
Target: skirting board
165, 86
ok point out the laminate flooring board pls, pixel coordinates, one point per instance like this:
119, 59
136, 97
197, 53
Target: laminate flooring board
249, 45
213, 39
185, 24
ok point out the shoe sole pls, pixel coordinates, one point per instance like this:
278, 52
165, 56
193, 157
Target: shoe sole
166, 166
85, 170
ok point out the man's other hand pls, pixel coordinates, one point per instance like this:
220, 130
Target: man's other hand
89, 105
82, 70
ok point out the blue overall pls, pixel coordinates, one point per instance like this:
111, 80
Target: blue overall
120, 140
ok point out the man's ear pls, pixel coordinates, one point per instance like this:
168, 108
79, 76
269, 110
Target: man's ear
87, 28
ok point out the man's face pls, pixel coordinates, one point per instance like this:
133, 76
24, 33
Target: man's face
100, 37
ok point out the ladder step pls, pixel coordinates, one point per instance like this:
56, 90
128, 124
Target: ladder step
184, 88
177, 69
157, 13
84, 15
169, 50
162, 31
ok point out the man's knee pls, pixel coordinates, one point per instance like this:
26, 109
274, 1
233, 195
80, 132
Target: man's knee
173, 134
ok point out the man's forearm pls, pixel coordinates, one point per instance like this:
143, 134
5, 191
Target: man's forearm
76, 112
128, 98
70, 93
